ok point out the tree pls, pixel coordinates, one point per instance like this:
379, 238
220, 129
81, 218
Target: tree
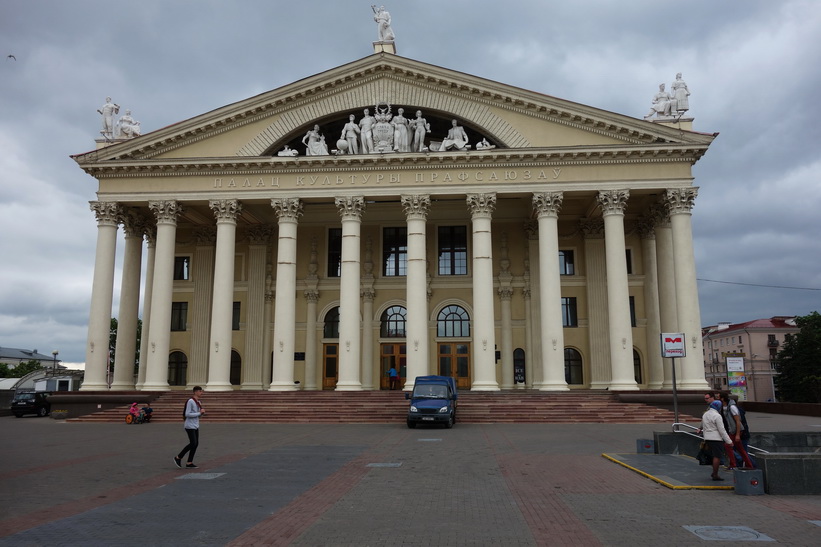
20, 370
112, 342
799, 362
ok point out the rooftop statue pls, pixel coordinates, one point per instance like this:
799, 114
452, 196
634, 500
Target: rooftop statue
127, 127
662, 104
681, 94
670, 104
383, 22
107, 111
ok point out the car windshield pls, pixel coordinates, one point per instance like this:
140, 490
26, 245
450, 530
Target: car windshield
24, 397
431, 392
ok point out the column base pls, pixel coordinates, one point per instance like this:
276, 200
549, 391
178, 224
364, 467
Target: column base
94, 387
218, 386
485, 386
624, 387
693, 384
283, 386
122, 387
552, 387
348, 387
156, 387
251, 387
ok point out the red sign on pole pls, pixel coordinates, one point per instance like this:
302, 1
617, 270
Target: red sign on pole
672, 344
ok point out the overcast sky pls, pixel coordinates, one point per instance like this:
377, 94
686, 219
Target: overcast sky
753, 68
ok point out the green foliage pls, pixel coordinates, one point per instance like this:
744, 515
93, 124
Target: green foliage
7, 371
799, 363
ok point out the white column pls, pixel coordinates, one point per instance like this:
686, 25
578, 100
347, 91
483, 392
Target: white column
595, 271
255, 362
547, 206
368, 294
151, 247
613, 203
350, 209
288, 211
680, 202
202, 276
653, 360
126, 350
226, 212
505, 297
533, 370
481, 208
268, 364
416, 213
102, 295
311, 298
668, 311
156, 378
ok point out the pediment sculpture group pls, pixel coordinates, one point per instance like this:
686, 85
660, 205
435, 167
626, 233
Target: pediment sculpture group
124, 128
672, 104
385, 133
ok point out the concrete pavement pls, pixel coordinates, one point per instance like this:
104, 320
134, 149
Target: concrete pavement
311, 485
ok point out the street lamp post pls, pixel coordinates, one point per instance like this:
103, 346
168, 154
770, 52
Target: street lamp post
54, 362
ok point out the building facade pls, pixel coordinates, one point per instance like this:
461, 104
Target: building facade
486, 232
753, 347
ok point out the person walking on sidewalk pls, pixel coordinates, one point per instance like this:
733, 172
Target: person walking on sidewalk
735, 428
712, 427
192, 413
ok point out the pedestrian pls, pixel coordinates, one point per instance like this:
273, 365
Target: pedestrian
712, 427
709, 397
735, 428
192, 413
393, 377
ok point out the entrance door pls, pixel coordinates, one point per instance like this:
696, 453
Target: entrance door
392, 355
454, 361
330, 365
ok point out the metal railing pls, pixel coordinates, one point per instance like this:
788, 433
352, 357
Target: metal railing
677, 429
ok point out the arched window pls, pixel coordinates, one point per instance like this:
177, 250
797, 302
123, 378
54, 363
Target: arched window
393, 322
331, 329
573, 372
453, 321
177, 368
637, 366
236, 368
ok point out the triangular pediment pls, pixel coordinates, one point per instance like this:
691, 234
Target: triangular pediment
508, 117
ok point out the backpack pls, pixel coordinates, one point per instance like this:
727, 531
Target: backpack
742, 415
184, 408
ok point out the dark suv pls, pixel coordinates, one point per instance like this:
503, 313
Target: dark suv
30, 402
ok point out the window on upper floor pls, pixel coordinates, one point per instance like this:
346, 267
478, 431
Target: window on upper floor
628, 253
179, 316
235, 316
453, 250
182, 268
567, 265
394, 251
569, 318
334, 252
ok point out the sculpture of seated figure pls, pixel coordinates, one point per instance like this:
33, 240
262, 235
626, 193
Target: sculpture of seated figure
287, 151
128, 127
314, 143
457, 138
663, 104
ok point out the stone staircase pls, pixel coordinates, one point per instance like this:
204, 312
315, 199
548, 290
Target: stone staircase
267, 407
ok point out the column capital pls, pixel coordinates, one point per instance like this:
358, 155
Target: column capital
547, 204
613, 202
481, 205
660, 214
680, 200
107, 212
133, 222
165, 211
287, 209
505, 292
416, 206
350, 207
367, 293
592, 228
531, 228
311, 295
646, 227
225, 210
150, 234
205, 236
259, 234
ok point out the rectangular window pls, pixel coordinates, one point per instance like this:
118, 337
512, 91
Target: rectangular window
566, 264
569, 318
179, 316
235, 316
394, 251
181, 268
629, 256
453, 250
335, 252
632, 311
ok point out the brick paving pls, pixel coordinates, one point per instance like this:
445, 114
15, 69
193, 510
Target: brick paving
379, 484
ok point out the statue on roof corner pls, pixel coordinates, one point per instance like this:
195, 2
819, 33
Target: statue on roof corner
107, 111
383, 22
673, 104
128, 127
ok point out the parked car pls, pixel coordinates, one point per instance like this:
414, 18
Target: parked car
30, 402
433, 401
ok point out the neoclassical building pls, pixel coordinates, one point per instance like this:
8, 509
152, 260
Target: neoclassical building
460, 226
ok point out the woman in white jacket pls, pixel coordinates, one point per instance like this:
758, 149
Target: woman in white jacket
712, 427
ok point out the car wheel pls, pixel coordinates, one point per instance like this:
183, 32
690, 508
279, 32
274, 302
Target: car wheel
42, 412
16, 415
449, 423
411, 424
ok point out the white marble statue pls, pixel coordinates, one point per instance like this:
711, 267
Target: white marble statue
662, 104
419, 126
366, 132
484, 145
457, 138
401, 136
314, 143
350, 133
680, 92
108, 110
383, 22
127, 127
287, 152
